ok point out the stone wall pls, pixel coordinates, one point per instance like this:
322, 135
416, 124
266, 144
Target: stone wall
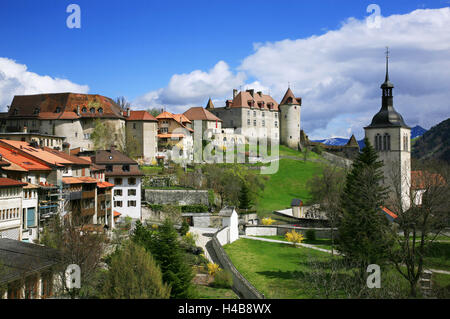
261, 230
241, 285
176, 197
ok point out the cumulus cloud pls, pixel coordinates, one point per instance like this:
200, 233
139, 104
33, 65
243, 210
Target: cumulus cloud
338, 74
194, 88
15, 79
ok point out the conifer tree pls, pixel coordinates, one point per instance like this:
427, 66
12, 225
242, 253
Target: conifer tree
244, 197
362, 228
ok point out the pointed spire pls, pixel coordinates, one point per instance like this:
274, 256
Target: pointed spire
289, 98
387, 65
210, 104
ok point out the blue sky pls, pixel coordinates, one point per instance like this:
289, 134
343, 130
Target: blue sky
131, 48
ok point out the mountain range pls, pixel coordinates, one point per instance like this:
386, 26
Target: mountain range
416, 131
433, 144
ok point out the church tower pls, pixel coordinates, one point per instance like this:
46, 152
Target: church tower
290, 120
390, 137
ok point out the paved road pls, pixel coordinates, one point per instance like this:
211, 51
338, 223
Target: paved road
204, 235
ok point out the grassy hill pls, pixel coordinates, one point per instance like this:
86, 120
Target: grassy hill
288, 183
434, 144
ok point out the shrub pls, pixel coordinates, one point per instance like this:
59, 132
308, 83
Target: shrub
184, 228
294, 237
267, 221
223, 279
318, 149
213, 269
311, 234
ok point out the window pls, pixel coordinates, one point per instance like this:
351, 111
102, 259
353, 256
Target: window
254, 113
76, 134
84, 110
106, 179
118, 203
131, 192
117, 192
132, 181
248, 121
248, 113
262, 114
109, 168
126, 168
276, 115
92, 110
118, 181
100, 110
254, 122
276, 124
134, 125
263, 123
131, 203
58, 109
87, 136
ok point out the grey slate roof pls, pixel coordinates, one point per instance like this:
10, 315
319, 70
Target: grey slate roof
226, 211
19, 259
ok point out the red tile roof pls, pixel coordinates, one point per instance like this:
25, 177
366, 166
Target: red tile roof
22, 163
72, 158
104, 184
117, 214
199, 113
6, 182
141, 116
244, 98
79, 180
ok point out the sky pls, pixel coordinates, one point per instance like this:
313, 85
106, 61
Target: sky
177, 54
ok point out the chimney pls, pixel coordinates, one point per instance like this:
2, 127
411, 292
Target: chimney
252, 92
235, 92
128, 112
25, 129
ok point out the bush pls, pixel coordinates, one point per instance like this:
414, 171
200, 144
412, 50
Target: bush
223, 279
267, 221
318, 149
184, 228
311, 234
294, 237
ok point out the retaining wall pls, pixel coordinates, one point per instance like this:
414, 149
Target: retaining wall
176, 196
244, 288
273, 230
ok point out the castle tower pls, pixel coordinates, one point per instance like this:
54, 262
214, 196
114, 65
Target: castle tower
390, 136
290, 120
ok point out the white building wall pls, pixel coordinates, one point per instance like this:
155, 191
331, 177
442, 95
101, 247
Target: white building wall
125, 210
11, 212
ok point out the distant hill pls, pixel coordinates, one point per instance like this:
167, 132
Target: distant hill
434, 144
416, 132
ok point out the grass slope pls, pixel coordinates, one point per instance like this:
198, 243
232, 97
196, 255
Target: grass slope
288, 183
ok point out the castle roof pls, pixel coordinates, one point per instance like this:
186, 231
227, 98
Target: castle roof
210, 104
289, 98
256, 100
141, 116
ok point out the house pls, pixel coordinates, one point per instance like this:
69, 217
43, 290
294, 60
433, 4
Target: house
175, 130
47, 118
27, 270
30, 216
11, 195
124, 173
230, 219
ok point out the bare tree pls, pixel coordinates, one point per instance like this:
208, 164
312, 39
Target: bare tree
326, 190
423, 212
122, 102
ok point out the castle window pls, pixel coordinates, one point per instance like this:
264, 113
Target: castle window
84, 110
263, 123
262, 114
254, 122
248, 121
276, 124
100, 111
276, 115
254, 113
92, 110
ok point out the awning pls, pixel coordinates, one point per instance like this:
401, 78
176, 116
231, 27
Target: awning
389, 214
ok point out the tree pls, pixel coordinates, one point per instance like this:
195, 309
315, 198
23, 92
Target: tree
77, 246
122, 102
419, 224
363, 230
154, 111
132, 274
326, 190
244, 198
163, 244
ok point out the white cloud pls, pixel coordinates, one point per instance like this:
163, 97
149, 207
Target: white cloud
193, 88
338, 74
15, 79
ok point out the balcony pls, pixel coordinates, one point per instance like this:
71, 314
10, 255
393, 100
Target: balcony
88, 194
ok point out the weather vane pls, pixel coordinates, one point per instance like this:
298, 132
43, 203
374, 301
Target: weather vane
387, 52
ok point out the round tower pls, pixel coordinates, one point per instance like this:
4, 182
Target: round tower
290, 120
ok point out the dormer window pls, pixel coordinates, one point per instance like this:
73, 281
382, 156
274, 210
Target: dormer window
126, 168
58, 109
36, 110
84, 110
92, 110
109, 168
15, 112
100, 110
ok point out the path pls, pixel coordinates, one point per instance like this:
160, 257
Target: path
204, 236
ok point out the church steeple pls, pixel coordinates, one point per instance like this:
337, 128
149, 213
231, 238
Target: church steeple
387, 86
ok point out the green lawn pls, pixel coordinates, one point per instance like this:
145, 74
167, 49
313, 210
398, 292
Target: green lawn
272, 268
150, 170
287, 183
286, 151
282, 271
206, 292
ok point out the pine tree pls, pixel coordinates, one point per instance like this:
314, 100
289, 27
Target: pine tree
244, 197
363, 229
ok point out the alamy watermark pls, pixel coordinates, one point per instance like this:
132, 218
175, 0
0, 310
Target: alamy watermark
73, 21
374, 20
